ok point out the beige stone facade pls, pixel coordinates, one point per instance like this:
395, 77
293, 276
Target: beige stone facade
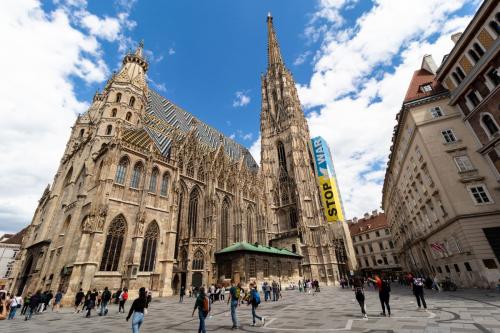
145, 194
440, 195
373, 245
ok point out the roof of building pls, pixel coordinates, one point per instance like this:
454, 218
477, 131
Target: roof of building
181, 120
374, 222
244, 246
17, 238
421, 78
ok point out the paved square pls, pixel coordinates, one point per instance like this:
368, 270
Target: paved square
331, 310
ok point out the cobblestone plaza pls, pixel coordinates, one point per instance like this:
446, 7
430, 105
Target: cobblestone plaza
331, 310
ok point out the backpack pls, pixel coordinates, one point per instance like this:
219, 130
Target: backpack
205, 305
238, 293
255, 297
124, 296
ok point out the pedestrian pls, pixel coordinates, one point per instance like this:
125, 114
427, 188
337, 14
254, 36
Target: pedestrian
78, 300
384, 292
117, 295
90, 303
436, 284
254, 300
35, 300
359, 293
202, 303
123, 298
182, 293
15, 303
234, 300
105, 298
57, 301
309, 286
418, 291
223, 293
47, 300
137, 310
26, 304
149, 296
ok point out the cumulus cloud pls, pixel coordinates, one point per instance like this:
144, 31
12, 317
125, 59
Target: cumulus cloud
362, 73
171, 51
301, 58
45, 52
241, 99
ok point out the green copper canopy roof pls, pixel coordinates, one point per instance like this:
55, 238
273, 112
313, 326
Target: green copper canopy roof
243, 246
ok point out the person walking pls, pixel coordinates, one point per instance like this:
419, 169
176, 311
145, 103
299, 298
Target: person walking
254, 300
57, 301
78, 300
139, 306
234, 300
223, 293
182, 293
359, 293
123, 298
105, 298
90, 303
384, 292
35, 300
15, 303
202, 303
418, 291
26, 304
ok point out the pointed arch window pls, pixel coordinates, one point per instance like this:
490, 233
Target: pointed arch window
136, 176
109, 129
193, 212
164, 184
266, 268
82, 132
128, 116
281, 155
153, 180
121, 171
201, 174
252, 267
190, 169
113, 246
224, 223
67, 179
198, 260
220, 181
148, 255
250, 226
131, 102
118, 97
293, 218
98, 173
113, 113
489, 124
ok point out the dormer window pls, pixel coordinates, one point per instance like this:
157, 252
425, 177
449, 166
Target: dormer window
425, 88
436, 112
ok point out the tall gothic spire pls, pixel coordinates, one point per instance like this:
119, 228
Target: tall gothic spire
273, 48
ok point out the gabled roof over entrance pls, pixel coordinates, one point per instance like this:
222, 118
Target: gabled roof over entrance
244, 246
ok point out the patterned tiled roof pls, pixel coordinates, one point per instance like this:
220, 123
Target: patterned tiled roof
181, 120
422, 77
244, 246
374, 222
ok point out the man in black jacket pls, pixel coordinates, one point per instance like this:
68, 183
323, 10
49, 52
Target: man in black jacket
105, 298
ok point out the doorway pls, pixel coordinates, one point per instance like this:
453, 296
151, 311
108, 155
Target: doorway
197, 279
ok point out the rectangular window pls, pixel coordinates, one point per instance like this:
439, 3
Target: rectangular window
366, 262
426, 88
490, 263
494, 77
479, 194
456, 268
436, 112
356, 250
381, 246
439, 269
472, 97
367, 236
387, 232
363, 248
374, 261
371, 248
385, 261
396, 260
467, 267
447, 268
448, 136
377, 233
463, 163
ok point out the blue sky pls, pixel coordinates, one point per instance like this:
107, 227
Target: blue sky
352, 61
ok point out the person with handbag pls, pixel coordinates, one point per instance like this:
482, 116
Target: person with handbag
16, 302
138, 310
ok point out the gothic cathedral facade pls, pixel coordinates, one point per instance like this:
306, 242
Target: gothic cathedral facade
145, 193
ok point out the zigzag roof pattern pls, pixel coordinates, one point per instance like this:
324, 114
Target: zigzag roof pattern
181, 120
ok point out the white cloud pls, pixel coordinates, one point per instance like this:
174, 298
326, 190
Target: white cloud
255, 150
171, 51
107, 28
343, 87
44, 52
302, 58
241, 99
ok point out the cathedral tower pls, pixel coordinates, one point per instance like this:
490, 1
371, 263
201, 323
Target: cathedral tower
296, 219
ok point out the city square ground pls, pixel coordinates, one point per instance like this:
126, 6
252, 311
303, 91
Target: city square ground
331, 310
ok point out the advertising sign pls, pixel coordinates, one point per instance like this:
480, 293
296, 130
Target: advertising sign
325, 174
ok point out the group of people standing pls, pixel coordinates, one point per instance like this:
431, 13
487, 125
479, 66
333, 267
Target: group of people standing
308, 286
30, 304
383, 285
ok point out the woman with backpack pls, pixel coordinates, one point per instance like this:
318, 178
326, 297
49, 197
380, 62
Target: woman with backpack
254, 299
123, 298
359, 293
203, 305
137, 310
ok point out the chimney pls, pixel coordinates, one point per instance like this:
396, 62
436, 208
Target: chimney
355, 219
456, 36
366, 216
428, 64
374, 212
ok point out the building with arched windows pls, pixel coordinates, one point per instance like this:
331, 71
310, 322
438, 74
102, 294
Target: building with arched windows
146, 194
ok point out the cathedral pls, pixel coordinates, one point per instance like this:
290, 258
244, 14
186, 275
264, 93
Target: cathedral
148, 195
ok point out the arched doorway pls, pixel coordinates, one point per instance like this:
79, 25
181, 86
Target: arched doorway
175, 284
26, 275
197, 279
